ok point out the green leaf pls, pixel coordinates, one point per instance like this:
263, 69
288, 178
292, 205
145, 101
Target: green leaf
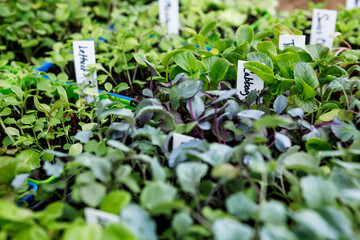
267, 47
276, 232
165, 60
218, 71
4, 11
100, 167
331, 73
280, 104
8, 166
30, 43
313, 222
9, 212
41, 107
83, 231
167, 124
338, 220
307, 105
244, 33
51, 213
5, 84
305, 79
189, 175
92, 194
12, 131
75, 149
19, 93
272, 121
227, 229
285, 63
156, 136
282, 142
241, 206
317, 51
252, 113
315, 145
308, 92
242, 50
139, 222
273, 212
155, 194
225, 170
201, 39
117, 231
301, 161
181, 223
188, 89
186, 61
125, 113
263, 71
280, 29
115, 201
34, 232
62, 93
260, 58
317, 191
207, 28
130, 43
30, 160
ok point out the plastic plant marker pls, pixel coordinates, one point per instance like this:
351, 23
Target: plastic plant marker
323, 24
247, 81
291, 40
84, 54
30, 197
45, 67
39, 182
100, 217
178, 139
169, 14
351, 4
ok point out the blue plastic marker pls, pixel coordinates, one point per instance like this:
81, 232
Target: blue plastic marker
30, 197
45, 67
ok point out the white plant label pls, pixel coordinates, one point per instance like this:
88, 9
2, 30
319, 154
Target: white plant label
247, 81
103, 218
323, 25
351, 4
178, 139
169, 14
291, 40
84, 54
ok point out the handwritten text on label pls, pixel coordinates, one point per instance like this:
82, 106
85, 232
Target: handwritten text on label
247, 81
351, 4
323, 24
103, 218
291, 40
169, 14
84, 54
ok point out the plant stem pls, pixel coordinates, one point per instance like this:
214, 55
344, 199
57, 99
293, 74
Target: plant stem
213, 191
263, 187
197, 202
198, 217
216, 125
127, 72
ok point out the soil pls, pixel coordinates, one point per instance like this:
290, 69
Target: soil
285, 5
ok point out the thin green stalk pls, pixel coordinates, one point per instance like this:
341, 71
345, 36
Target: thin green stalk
263, 187
127, 72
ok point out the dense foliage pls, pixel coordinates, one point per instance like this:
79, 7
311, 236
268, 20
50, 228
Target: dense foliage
281, 164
